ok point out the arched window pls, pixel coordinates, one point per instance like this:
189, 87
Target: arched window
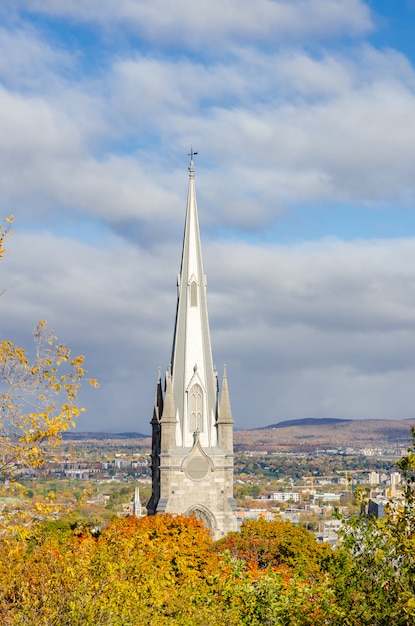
193, 293
195, 408
202, 516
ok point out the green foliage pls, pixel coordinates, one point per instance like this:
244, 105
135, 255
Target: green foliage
374, 571
274, 598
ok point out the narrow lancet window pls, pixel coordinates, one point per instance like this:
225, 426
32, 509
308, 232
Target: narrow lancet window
196, 409
193, 293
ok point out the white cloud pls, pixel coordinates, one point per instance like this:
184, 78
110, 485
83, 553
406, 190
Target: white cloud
282, 129
47, 162
288, 128
322, 329
328, 320
27, 60
207, 23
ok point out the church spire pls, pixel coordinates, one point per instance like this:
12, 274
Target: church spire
193, 459
193, 376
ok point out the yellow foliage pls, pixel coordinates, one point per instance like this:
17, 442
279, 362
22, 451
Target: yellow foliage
158, 570
4, 232
35, 406
38, 399
38, 402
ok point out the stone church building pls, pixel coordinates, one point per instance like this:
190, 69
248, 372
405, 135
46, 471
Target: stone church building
192, 431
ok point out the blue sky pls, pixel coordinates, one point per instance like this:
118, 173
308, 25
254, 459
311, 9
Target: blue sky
302, 113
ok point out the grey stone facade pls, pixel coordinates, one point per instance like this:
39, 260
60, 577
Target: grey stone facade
192, 434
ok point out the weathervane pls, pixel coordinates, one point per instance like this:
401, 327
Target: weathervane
191, 154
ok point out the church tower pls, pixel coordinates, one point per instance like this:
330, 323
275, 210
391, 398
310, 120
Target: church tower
192, 433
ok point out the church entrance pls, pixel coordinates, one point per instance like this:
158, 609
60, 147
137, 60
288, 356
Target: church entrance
203, 515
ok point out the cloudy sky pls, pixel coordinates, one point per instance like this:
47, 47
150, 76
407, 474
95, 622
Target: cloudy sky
303, 116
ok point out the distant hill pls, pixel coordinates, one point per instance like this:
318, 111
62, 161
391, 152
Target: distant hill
80, 436
311, 434
307, 421
302, 435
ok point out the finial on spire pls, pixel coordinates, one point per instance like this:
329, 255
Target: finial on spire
191, 165
191, 154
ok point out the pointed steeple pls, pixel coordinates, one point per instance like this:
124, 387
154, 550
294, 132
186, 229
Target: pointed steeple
225, 411
193, 376
158, 403
137, 508
225, 419
168, 419
155, 448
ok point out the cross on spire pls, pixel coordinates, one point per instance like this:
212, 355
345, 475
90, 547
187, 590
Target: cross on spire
191, 154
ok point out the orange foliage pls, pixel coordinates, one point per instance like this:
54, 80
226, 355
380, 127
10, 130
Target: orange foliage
278, 544
159, 570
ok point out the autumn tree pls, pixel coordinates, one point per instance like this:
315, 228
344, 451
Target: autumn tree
274, 544
38, 399
374, 567
38, 396
158, 570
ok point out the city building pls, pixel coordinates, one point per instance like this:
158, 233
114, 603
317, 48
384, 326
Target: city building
192, 432
326, 497
374, 478
376, 507
285, 496
395, 478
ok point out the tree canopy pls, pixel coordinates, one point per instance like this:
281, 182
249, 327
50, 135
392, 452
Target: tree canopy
38, 397
165, 569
